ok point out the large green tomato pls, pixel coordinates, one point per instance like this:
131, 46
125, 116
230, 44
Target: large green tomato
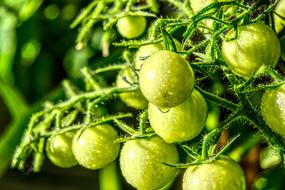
132, 99
131, 26
58, 150
273, 109
166, 79
221, 174
256, 45
182, 122
141, 162
282, 42
94, 147
279, 10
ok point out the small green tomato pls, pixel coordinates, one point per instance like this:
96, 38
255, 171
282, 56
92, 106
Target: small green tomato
256, 45
221, 174
141, 162
58, 150
182, 122
131, 26
132, 99
94, 147
273, 109
166, 79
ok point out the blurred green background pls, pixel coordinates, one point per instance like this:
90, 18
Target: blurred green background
36, 53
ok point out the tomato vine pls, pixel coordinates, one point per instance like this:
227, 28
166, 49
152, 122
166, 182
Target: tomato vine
203, 54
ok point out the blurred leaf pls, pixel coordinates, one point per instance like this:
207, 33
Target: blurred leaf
20, 113
25, 9
8, 22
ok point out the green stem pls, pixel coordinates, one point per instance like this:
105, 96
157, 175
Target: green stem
142, 124
218, 100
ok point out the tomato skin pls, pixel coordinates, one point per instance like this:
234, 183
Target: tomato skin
132, 99
251, 49
221, 174
182, 122
131, 26
94, 147
166, 79
279, 10
273, 109
58, 150
141, 163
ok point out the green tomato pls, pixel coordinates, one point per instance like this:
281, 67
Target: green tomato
182, 122
166, 79
58, 150
279, 10
282, 42
256, 45
269, 158
273, 109
145, 52
132, 99
94, 147
141, 162
198, 5
131, 26
148, 50
221, 174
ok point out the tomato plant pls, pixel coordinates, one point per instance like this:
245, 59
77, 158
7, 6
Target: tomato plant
182, 122
175, 62
166, 80
131, 26
58, 149
94, 147
141, 162
246, 54
220, 174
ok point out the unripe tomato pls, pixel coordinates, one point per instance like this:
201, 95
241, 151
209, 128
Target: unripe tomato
148, 50
269, 158
279, 10
198, 5
58, 150
94, 147
182, 122
256, 45
282, 42
221, 174
131, 26
132, 99
141, 162
273, 109
166, 79
145, 52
